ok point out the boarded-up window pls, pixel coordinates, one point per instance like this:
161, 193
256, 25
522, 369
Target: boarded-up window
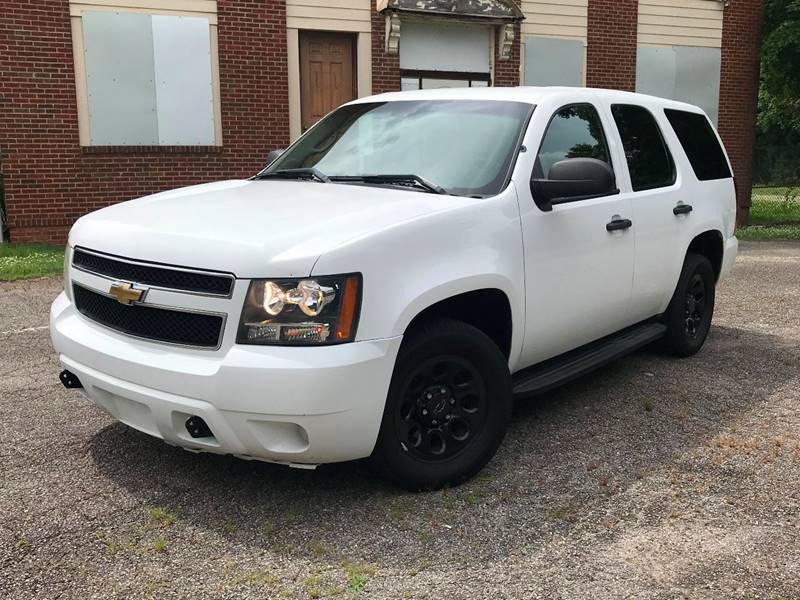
439, 47
553, 61
685, 73
148, 79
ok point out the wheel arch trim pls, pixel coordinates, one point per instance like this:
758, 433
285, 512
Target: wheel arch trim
490, 282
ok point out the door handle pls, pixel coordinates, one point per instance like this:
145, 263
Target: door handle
682, 209
618, 224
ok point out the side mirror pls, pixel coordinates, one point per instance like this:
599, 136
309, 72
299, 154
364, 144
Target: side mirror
273, 156
573, 179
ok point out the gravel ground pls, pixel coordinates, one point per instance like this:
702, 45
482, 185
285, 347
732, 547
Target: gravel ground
653, 478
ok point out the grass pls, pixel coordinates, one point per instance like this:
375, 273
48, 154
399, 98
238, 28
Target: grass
357, 575
257, 577
162, 516
775, 206
311, 584
24, 261
759, 232
774, 214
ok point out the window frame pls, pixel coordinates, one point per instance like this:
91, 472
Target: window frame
468, 76
605, 140
172, 8
665, 144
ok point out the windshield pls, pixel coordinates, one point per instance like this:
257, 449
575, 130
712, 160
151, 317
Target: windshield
464, 146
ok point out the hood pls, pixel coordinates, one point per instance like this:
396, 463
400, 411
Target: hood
267, 228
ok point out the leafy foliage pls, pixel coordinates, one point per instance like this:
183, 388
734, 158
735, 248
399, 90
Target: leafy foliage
777, 160
779, 93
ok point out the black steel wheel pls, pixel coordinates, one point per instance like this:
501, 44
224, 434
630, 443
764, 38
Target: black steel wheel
448, 406
443, 408
695, 305
689, 314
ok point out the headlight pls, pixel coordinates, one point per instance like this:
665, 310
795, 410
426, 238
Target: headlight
301, 312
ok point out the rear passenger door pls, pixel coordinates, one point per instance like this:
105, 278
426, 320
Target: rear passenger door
650, 179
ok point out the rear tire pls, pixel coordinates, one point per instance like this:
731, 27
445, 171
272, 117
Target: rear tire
448, 407
688, 317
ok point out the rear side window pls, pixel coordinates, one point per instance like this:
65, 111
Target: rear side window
649, 161
700, 144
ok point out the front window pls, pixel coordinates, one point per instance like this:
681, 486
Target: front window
574, 132
466, 147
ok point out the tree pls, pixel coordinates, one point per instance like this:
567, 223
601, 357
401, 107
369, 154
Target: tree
778, 134
779, 93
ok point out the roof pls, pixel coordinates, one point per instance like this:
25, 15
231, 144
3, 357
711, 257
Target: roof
530, 95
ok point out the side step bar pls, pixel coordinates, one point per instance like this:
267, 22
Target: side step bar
556, 371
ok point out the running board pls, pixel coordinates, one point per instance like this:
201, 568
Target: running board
556, 371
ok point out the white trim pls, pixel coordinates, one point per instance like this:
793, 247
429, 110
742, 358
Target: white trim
293, 64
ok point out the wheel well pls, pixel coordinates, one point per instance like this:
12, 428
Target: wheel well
487, 310
709, 244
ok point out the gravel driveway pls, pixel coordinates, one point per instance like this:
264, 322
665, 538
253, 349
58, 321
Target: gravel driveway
653, 478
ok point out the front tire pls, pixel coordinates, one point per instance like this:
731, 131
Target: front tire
688, 317
448, 406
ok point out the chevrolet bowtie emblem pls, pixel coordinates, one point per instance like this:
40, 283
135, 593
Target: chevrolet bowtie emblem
125, 293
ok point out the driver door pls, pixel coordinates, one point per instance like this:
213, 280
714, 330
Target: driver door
578, 273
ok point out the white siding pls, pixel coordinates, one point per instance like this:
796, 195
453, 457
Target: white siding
680, 23
329, 15
555, 18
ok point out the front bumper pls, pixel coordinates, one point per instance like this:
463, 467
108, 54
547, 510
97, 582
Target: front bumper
300, 406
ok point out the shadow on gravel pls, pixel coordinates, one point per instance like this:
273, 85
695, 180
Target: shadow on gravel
587, 458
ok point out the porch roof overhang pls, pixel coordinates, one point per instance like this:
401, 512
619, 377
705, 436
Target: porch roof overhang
485, 11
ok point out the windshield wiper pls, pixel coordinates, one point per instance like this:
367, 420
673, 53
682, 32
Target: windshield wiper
303, 173
415, 180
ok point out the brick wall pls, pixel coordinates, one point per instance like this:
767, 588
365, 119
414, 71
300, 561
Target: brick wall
385, 67
741, 39
51, 181
611, 40
506, 72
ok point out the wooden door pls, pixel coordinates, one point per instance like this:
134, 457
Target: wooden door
327, 73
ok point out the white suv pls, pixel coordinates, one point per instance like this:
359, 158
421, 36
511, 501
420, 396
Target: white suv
390, 283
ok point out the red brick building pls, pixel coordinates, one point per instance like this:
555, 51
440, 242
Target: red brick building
107, 100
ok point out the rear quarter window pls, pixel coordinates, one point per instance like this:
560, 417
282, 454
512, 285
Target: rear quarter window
700, 144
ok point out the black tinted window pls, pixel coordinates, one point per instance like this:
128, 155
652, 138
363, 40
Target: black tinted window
574, 132
700, 144
649, 160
